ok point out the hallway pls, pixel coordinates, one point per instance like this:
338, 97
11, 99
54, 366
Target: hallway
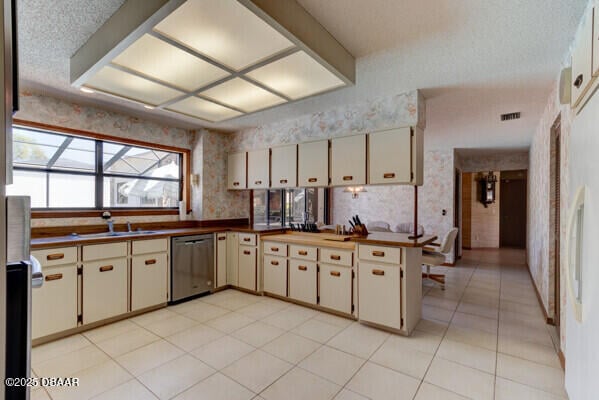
492, 323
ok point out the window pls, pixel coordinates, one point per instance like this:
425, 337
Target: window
281, 207
63, 171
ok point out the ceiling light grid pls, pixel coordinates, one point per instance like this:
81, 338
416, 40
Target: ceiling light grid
209, 59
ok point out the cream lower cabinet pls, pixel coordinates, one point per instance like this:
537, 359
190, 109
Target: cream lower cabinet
104, 288
232, 258
275, 275
247, 268
303, 282
379, 286
149, 273
335, 287
54, 305
220, 261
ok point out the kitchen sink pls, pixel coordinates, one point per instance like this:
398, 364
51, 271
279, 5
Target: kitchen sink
111, 234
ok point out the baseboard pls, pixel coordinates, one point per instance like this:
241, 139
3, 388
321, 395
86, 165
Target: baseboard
548, 319
562, 359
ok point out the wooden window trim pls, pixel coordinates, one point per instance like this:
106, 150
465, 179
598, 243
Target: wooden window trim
101, 136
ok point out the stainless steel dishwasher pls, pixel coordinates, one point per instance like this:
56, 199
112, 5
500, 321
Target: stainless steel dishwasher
192, 266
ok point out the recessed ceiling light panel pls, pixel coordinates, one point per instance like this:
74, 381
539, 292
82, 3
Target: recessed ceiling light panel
117, 82
296, 76
243, 95
225, 31
155, 58
204, 109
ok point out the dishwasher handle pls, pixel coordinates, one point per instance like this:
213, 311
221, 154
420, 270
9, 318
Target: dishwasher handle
192, 242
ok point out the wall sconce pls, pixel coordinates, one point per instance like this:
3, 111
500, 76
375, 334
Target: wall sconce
487, 185
354, 191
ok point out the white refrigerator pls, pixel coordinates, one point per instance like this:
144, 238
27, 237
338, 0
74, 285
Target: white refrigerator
582, 263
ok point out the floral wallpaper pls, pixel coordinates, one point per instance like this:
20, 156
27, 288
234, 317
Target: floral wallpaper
493, 162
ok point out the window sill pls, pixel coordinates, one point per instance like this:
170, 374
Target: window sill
98, 213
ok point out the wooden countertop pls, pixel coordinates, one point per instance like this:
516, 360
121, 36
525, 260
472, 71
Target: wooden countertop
395, 239
70, 240
310, 239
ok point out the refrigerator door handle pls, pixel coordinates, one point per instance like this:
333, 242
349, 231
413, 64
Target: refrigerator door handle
37, 276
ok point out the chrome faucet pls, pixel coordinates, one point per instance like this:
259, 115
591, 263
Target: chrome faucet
110, 225
129, 227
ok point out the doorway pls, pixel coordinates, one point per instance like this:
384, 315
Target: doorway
512, 209
554, 216
457, 209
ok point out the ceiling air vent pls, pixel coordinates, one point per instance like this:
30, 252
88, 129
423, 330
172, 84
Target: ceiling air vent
510, 116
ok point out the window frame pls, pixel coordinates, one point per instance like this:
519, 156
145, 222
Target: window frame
284, 217
99, 174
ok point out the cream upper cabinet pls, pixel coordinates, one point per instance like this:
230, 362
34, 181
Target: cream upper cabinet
220, 264
236, 171
283, 166
348, 161
596, 43
396, 156
582, 60
258, 169
313, 164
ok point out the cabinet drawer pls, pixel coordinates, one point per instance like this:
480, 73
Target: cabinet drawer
275, 275
276, 249
54, 305
336, 288
379, 288
148, 280
302, 252
60, 256
149, 246
303, 281
248, 239
104, 289
104, 251
391, 255
336, 257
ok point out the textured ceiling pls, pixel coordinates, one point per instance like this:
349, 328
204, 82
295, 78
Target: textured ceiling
473, 59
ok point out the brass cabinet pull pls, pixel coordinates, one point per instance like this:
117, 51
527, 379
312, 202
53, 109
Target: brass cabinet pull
302, 252
283, 181
56, 256
106, 268
274, 262
274, 249
302, 267
222, 238
335, 273
247, 239
389, 175
247, 252
378, 253
235, 183
348, 178
312, 180
258, 183
578, 81
150, 262
378, 272
335, 257
53, 277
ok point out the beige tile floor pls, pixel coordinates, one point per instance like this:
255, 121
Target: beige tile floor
482, 338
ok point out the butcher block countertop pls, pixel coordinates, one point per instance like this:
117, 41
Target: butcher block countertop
375, 238
72, 240
310, 239
395, 239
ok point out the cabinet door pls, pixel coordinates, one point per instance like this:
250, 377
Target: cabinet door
247, 267
379, 290
54, 305
390, 156
148, 280
104, 289
275, 275
258, 169
232, 258
283, 166
313, 164
220, 264
236, 171
582, 60
348, 161
336, 288
303, 281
